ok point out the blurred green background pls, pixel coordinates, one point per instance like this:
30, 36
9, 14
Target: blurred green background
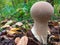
20, 9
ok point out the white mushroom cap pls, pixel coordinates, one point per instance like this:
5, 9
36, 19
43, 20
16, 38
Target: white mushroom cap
41, 11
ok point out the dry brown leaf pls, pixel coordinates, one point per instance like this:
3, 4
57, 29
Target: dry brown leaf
23, 41
17, 39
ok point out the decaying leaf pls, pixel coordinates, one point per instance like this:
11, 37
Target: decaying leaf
23, 41
17, 39
13, 31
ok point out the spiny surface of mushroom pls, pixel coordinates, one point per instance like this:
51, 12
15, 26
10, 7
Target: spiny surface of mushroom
41, 13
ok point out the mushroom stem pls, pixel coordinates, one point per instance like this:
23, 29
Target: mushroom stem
39, 33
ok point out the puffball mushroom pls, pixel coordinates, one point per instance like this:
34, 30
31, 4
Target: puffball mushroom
41, 12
